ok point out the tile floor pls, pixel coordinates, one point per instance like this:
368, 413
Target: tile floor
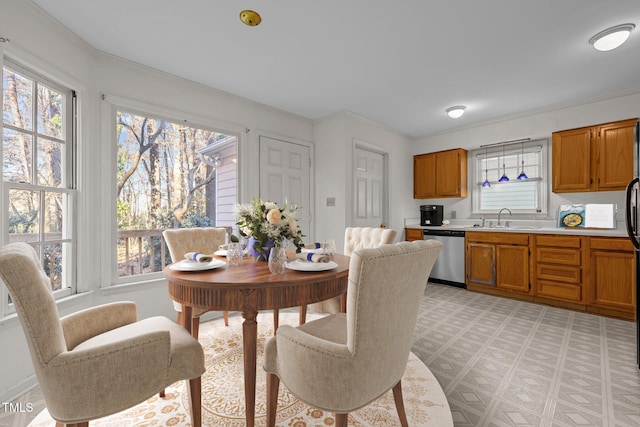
510, 363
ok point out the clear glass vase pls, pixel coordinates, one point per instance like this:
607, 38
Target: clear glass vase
277, 259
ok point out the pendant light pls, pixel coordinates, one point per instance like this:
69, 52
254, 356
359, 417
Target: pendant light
522, 174
504, 177
486, 182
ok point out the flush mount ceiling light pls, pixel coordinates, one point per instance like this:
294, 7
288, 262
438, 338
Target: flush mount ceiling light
455, 112
611, 38
250, 18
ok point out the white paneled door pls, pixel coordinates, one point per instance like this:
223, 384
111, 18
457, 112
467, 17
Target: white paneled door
285, 175
369, 188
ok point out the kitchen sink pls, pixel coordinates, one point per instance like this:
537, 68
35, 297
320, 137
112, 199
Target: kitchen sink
510, 227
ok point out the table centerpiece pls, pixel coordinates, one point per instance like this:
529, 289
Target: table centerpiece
266, 225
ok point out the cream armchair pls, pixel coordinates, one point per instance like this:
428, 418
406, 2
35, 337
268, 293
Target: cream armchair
98, 361
354, 238
343, 362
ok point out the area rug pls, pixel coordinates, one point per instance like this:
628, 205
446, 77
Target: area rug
223, 391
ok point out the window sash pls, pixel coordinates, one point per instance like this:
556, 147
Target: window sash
134, 247
525, 196
56, 247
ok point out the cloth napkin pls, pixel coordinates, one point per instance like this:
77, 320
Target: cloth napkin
315, 245
311, 257
197, 256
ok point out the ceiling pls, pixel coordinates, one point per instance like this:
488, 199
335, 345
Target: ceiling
399, 63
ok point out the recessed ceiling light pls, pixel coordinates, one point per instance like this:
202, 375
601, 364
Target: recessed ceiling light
455, 112
611, 38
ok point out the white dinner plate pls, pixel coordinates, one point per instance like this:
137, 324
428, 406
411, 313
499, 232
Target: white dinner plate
188, 265
221, 252
301, 265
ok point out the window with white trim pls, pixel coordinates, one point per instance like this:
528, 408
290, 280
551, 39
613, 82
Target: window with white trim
529, 194
169, 175
39, 193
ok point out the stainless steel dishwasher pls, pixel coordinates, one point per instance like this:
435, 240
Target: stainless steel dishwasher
450, 265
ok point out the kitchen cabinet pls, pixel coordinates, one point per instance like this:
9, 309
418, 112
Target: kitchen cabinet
412, 234
594, 158
498, 263
558, 268
585, 273
441, 174
611, 288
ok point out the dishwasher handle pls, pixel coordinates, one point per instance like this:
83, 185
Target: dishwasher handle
449, 233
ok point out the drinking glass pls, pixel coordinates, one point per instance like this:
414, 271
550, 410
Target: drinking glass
234, 254
329, 248
277, 259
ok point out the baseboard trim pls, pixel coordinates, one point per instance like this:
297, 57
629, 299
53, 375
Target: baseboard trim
17, 390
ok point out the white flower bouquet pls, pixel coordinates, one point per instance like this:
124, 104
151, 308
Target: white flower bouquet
267, 225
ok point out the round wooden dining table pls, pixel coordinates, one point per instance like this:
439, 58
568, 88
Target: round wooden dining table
249, 288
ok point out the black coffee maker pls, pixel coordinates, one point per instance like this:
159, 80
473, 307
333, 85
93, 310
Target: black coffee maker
431, 214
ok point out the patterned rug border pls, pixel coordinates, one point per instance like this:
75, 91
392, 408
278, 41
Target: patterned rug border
223, 392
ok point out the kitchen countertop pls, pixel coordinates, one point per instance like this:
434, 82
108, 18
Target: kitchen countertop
615, 232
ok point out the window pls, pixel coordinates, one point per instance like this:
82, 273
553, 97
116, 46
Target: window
169, 175
520, 196
37, 170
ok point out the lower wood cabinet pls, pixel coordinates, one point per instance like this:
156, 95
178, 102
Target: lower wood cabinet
586, 273
558, 267
499, 261
612, 269
411, 234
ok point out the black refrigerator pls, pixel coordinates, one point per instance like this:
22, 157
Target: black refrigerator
632, 220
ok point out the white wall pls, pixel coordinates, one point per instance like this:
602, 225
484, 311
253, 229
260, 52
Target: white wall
335, 138
534, 126
45, 45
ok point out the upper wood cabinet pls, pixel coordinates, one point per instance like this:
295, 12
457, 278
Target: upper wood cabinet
440, 174
595, 158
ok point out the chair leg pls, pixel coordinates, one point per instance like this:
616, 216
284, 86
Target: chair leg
341, 420
180, 318
397, 397
303, 314
195, 398
225, 314
272, 398
162, 393
276, 320
195, 327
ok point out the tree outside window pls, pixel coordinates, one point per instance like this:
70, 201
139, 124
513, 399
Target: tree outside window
169, 175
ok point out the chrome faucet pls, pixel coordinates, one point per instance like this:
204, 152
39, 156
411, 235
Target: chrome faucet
500, 212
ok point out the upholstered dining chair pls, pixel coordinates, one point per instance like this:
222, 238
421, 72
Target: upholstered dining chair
198, 239
343, 362
354, 238
101, 360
